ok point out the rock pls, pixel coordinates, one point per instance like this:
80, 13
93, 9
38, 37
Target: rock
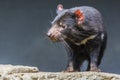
9, 72
9, 69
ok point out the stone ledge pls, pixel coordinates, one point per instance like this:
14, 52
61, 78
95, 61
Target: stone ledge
32, 73
9, 69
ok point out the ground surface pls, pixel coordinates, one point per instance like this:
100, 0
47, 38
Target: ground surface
9, 72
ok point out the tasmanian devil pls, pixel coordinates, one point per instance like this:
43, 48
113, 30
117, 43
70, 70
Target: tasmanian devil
82, 31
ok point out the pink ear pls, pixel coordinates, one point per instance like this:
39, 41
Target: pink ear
79, 16
60, 7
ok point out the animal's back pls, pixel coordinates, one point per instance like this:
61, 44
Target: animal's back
93, 18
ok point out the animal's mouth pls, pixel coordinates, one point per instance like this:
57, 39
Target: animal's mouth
54, 39
55, 36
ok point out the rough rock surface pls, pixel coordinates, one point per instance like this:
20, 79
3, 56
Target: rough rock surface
9, 72
9, 69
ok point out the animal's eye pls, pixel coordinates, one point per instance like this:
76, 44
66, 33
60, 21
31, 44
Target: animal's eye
64, 26
60, 24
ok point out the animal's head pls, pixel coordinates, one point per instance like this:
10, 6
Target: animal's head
64, 23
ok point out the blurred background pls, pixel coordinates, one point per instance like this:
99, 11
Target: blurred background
23, 27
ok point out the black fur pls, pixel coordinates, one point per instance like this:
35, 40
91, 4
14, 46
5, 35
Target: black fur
85, 41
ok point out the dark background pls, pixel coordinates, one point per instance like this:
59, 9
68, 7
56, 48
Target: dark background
23, 27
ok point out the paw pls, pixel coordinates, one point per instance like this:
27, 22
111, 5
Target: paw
95, 69
70, 69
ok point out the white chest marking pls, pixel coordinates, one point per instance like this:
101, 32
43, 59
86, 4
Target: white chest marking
102, 36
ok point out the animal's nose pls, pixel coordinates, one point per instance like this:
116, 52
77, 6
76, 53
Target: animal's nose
48, 34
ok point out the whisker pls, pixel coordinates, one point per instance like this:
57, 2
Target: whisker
67, 47
48, 40
45, 38
50, 21
65, 43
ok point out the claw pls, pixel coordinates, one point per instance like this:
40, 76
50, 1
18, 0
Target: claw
95, 69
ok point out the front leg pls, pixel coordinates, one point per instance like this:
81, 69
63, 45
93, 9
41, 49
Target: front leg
75, 61
73, 64
70, 67
74, 58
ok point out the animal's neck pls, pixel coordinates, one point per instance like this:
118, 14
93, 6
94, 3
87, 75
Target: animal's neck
71, 44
